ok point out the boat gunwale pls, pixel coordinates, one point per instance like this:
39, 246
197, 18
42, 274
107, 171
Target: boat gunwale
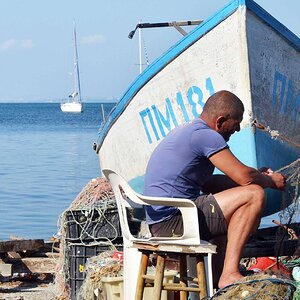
183, 44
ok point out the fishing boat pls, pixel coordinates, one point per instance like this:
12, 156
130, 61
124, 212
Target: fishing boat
241, 48
74, 103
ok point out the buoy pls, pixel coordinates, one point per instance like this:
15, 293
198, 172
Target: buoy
245, 294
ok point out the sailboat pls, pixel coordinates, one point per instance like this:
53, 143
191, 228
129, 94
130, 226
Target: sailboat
74, 103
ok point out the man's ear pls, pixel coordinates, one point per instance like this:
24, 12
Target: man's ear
219, 122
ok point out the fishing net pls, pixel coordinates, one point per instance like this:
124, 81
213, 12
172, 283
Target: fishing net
106, 264
261, 287
291, 171
289, 217
291, 193
94, 207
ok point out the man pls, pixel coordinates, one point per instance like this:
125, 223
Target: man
229, 205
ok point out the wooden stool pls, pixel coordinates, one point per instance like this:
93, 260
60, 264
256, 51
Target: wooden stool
162, 251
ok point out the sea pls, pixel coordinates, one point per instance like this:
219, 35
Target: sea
46, 159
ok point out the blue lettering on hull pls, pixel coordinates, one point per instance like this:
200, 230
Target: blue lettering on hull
164, 122
285, 99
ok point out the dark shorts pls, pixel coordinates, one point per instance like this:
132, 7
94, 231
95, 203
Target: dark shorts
211, 221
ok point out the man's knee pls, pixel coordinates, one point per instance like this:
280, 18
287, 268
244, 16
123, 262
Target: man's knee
257, 195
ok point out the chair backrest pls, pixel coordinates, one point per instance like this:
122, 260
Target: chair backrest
126, 197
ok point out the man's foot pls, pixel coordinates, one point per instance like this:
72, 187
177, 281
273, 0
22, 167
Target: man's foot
230, 278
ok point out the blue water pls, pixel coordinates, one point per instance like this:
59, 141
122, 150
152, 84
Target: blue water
46, 159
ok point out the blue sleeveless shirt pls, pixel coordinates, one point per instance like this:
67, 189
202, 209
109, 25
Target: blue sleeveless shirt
179, 166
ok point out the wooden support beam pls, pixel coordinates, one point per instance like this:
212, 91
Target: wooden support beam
33, 264
21, 245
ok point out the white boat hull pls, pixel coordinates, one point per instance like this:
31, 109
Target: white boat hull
241, 49
71, 107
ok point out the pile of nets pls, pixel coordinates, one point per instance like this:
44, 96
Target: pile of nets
96, 197
95, 193
263, 287
106, 264
88, 209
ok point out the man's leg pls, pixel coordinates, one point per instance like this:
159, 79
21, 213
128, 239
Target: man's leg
218, 259
242, 207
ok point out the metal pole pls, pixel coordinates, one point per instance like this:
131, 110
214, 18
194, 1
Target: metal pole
140, 49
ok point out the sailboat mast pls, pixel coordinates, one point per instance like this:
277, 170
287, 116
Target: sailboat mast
140, 50
76, 66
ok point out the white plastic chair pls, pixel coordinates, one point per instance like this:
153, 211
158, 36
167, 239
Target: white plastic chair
187, 244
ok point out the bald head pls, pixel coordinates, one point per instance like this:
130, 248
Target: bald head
223, 112
222, 103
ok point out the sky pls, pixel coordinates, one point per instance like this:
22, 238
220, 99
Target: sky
36, 42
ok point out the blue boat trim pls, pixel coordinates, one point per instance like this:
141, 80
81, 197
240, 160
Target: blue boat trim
185, 43
291, 38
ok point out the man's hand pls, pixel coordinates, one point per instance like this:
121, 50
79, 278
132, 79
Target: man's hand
266, 170
277, 178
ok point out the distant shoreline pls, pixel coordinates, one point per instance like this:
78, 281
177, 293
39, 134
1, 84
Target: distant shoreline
55, 101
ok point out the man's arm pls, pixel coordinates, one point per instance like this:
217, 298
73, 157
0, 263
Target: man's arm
226, 162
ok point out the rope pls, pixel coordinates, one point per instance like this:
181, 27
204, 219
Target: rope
273, 133
89, 221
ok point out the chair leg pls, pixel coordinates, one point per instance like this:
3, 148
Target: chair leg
141, 280
183, 275
159, 276
201, 276
210, 289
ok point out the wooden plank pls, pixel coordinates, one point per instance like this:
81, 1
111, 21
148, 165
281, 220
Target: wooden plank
12, 254
21, 245
52, 254
33, 264
175, 248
